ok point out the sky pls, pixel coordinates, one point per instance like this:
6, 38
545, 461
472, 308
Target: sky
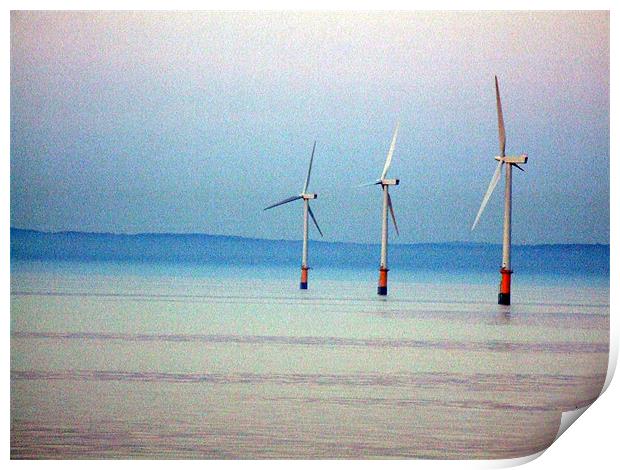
193, 122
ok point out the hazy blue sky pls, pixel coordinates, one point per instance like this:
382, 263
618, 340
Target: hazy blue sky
192, 122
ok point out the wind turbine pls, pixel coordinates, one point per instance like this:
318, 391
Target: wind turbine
306, 198
387, 204
509, 161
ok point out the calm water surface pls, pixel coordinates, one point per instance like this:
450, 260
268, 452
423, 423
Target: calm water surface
159, 366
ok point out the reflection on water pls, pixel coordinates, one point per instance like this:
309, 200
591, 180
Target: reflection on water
118, 367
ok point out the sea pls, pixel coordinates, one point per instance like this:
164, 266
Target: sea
169, 346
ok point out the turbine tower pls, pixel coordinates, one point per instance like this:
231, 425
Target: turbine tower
387, 204
509, 161
306, 198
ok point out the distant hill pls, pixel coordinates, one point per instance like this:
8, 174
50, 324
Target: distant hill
454, 257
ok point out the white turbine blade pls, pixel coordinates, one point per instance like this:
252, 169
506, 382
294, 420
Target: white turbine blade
500, 122
388, 160
392, 212
485, 199
285, 201
314, 220
309, 170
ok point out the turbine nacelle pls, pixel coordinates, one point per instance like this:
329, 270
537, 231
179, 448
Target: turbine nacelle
388, 182
308, 196
519, 159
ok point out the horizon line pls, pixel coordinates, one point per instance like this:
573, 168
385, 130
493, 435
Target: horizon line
135, 234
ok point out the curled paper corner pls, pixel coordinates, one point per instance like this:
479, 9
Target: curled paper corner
514, 462
568, 418
566, 421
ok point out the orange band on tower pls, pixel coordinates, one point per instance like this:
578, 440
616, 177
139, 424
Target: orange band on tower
383, 277
304, 274
505, 285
